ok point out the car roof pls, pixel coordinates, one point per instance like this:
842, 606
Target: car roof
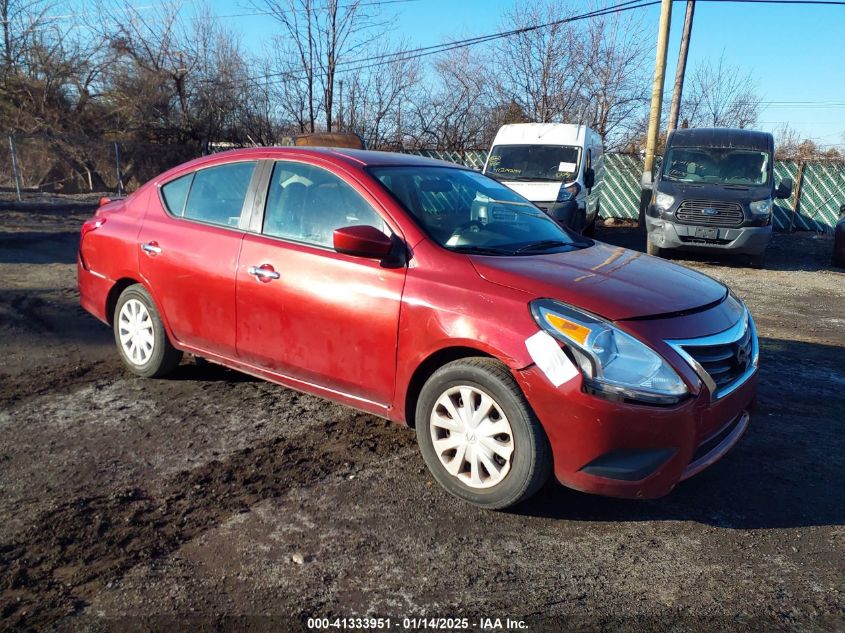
721, 137
355, 157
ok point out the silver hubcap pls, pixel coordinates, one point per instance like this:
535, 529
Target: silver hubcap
471, 436
135, 329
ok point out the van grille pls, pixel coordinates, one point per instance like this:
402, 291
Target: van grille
710, 213
725, 363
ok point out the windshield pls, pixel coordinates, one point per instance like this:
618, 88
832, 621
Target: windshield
465, 211
552, 163
723, 166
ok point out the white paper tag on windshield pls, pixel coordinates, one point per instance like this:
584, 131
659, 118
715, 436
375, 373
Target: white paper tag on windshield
569, 168
550, 358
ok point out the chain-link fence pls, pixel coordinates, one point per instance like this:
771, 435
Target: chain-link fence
68, 165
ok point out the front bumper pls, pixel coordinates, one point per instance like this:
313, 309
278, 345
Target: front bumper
633, 451
747, 240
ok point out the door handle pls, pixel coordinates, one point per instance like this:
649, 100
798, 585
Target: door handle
151, 248
262, 273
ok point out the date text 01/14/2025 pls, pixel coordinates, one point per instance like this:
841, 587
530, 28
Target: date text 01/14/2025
416, 624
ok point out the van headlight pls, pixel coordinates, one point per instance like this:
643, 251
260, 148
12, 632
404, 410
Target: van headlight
614, 364
761, 207
663, 201
568, 192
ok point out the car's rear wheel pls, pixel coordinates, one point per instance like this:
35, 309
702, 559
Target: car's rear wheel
140, 336
478, 435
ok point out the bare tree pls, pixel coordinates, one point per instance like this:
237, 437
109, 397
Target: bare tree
721, 95
453, 112
616, 90
314, 45
542, 70
376, 100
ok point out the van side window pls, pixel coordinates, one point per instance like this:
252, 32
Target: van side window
175, 193
217, 193
307, 203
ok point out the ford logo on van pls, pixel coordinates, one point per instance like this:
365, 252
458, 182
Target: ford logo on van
709, 211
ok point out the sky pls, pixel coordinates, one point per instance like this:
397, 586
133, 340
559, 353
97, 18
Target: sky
796, 54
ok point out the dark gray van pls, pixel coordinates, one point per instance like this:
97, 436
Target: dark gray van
714, 192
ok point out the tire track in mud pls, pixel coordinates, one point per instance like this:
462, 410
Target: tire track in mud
52, 571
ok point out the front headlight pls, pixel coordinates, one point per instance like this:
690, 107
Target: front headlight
613, 363
568, 192
663, 201
761, 207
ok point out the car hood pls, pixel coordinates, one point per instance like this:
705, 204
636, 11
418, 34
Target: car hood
612, 282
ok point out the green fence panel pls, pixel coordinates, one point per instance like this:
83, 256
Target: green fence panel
822, 191
782, 214
620, 188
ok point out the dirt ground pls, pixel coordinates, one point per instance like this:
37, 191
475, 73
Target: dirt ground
214, 501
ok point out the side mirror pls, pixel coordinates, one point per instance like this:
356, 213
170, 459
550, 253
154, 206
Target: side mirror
842, 211
362, 240
784, 189
589, 178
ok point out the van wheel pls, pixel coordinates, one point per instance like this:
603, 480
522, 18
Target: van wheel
478, 435
140, 335
590, 231
652, 249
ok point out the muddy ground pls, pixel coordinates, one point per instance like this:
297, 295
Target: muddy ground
212, 501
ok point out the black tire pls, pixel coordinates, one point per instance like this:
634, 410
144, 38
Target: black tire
163, 357
652, 249
590, 230
530, 462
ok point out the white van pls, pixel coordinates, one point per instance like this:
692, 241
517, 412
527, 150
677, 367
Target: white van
557, 166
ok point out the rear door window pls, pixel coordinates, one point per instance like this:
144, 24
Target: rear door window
217, 193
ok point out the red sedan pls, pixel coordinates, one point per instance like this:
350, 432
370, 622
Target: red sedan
429, 294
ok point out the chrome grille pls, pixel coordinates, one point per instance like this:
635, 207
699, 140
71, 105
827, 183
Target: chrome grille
710, 213
723, 361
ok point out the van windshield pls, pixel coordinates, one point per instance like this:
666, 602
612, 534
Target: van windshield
552, 163
715, 165
467, 212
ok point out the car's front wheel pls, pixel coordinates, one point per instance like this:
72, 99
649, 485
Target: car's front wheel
140, 336
478, 435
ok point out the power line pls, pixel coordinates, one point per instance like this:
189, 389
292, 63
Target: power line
424, 51
811, 2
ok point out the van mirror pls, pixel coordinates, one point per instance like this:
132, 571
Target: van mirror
589, 178
842, 211
784, 189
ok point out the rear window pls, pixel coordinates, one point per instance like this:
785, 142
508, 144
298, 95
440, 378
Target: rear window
175, 193
217, 193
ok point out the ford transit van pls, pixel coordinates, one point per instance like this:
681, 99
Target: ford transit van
715, 192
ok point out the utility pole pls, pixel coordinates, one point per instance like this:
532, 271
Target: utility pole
656, 102
682, 67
